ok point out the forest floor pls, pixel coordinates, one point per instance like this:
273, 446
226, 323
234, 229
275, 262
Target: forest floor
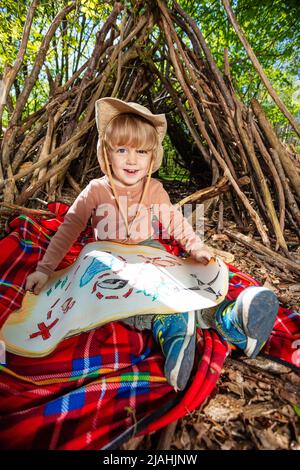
254, 405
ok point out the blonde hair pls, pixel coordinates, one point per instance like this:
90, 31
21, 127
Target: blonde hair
131, 130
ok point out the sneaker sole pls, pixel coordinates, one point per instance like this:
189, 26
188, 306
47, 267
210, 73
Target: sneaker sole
259, 307
183, 356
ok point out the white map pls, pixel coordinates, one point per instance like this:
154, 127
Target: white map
109, 282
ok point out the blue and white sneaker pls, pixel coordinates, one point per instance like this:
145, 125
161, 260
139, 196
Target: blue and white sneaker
247, 322
176, 334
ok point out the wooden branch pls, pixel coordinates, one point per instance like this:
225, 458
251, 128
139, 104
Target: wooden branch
10, 189
226, 64
50, 139
61, 166
31, 79
30, 139
288, 193
46, 150
45, 160
195, 83
254, 215
287, 163
268, 160
8, 143
190, 88
183, 111
261, 179
119, 59
90, 110
258, 67
71, 80
221, 215
26, 210
108, 24
208, 54
212, 191
73, 183
235, 140
271, 256
166, 436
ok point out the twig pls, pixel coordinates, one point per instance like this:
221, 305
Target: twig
26, 210
271, 256
212, 191
166, 436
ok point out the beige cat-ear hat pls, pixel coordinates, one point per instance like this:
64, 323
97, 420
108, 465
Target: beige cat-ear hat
108, 108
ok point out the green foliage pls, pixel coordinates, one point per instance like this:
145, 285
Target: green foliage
297, 410
70, 47
170, 170
272, 29
12, 17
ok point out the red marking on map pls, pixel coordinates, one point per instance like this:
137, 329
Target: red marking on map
49, 314
77, 268
44, 330
128, 293
68, 304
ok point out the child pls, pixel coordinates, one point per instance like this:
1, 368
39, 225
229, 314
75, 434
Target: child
129, 150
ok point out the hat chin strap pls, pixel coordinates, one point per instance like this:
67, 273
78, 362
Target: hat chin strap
145, 189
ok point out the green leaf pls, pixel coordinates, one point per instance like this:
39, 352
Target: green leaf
297, 410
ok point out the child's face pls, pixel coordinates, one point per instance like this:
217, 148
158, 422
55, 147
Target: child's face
129, 165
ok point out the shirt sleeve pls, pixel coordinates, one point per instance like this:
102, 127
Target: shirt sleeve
175, 223
74, 223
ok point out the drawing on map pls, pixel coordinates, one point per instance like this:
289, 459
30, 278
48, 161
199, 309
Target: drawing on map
110, 282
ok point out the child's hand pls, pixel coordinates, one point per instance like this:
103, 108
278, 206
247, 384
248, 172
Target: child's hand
203, 255
36, 281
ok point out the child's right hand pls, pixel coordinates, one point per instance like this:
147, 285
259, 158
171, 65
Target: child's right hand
202, 255
35, 281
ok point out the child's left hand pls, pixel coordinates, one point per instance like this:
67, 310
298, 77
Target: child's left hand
203, 255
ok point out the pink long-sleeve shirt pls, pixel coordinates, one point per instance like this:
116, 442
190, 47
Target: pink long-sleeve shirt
97, 201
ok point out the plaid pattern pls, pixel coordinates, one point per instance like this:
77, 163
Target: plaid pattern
94, 385
284, 343
97, 384
82, 395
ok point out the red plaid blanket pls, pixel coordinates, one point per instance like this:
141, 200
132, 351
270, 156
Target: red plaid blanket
284, 343
96, 385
